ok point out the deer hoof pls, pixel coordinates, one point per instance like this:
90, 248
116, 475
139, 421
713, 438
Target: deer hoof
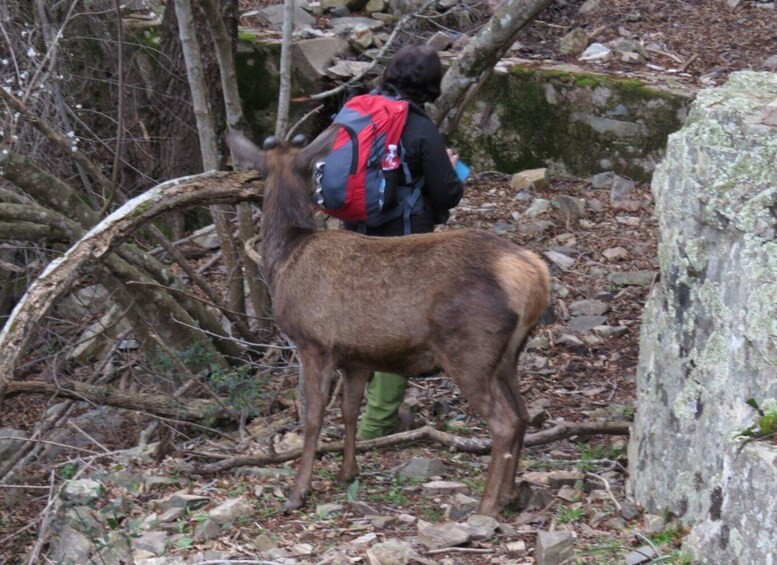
293, 502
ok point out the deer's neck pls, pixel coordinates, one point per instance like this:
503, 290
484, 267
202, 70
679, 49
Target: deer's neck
287, 222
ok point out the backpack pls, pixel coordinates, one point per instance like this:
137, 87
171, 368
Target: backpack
350, 182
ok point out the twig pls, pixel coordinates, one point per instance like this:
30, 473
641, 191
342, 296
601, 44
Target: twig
687, 64
459, 550
606, 487
87, 436
302, 120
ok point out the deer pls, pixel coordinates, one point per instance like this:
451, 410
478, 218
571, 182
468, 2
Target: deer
458, 301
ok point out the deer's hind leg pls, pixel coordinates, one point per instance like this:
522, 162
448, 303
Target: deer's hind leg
354, 382
318, 370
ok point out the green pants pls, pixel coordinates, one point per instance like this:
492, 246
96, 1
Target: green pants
385, 393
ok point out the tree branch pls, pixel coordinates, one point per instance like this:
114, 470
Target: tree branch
472, 445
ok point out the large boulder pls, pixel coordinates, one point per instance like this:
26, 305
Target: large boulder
709, 331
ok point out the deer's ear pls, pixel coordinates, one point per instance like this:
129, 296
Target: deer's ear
245, 153
317, 149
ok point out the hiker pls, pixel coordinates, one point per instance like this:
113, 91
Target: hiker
414, 74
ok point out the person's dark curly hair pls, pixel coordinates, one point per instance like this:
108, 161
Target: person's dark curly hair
415, 71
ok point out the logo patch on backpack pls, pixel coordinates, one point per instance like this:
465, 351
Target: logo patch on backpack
350, 183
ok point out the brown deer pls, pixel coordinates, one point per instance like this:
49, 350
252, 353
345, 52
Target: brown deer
459, 301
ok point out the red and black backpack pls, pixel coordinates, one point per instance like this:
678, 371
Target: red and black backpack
350, 182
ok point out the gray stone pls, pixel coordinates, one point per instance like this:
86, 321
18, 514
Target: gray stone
619, 128
115, 549
630, 510
569, 340
596, 52
440, 41
555, 548
460, 507
423, 468
574, 42
632, 278
610, 331
312, 57
82, 490
534, 227
391, 552
344, 26
538, 207
615, 253
708, 330
373, 6
557, 479
516, 547
501, 227
589, 307
643, 554
571, 206
70, 546
231, 510
602, 180
437, 488
264, 543
206, 530
10, 445
582, 324
347, 69
590, 6
438, 536
559, 259
653, 524
273, 15
153, 542
180, 499
481, 527
536, 179
328, 510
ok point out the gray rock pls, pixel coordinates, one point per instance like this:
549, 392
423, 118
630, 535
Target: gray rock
632, 278
481, 527
534, 227
114, 549
516, 547
590, 6
557, 479
538, 207
534, 179
615, 253
423, 468
328, 510
206, 530
589, 307
653, 523
596, 52
344, 26
312, 57
153, 542
82, 490
180, 499
264, 543
602, 180
438, 536
440, 41
554, 548
574, 42
582, 324
610, 331
571, 206
9, 446
569, 340
231, 510
630, 510
391, 552
437, 488
559, 259
70, 546
501, 227
273, 16
460, 507
643, 554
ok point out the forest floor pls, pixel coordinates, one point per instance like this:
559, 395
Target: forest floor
582, 378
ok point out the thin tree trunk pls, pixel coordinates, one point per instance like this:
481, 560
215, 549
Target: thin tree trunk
476, 62
208, 149
284, 95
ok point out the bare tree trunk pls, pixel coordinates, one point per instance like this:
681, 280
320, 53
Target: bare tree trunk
284, 95
477, 60
209, 151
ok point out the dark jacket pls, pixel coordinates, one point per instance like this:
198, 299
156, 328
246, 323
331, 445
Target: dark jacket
426, 156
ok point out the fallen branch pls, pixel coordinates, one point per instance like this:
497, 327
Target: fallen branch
454, 442
62, 273
188, 409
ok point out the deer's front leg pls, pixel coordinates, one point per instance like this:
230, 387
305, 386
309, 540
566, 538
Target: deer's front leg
317, 373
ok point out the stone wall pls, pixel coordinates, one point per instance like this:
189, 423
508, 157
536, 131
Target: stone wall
709, 333
578, 123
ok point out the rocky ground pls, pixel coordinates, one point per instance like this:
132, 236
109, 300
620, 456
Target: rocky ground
599, 237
